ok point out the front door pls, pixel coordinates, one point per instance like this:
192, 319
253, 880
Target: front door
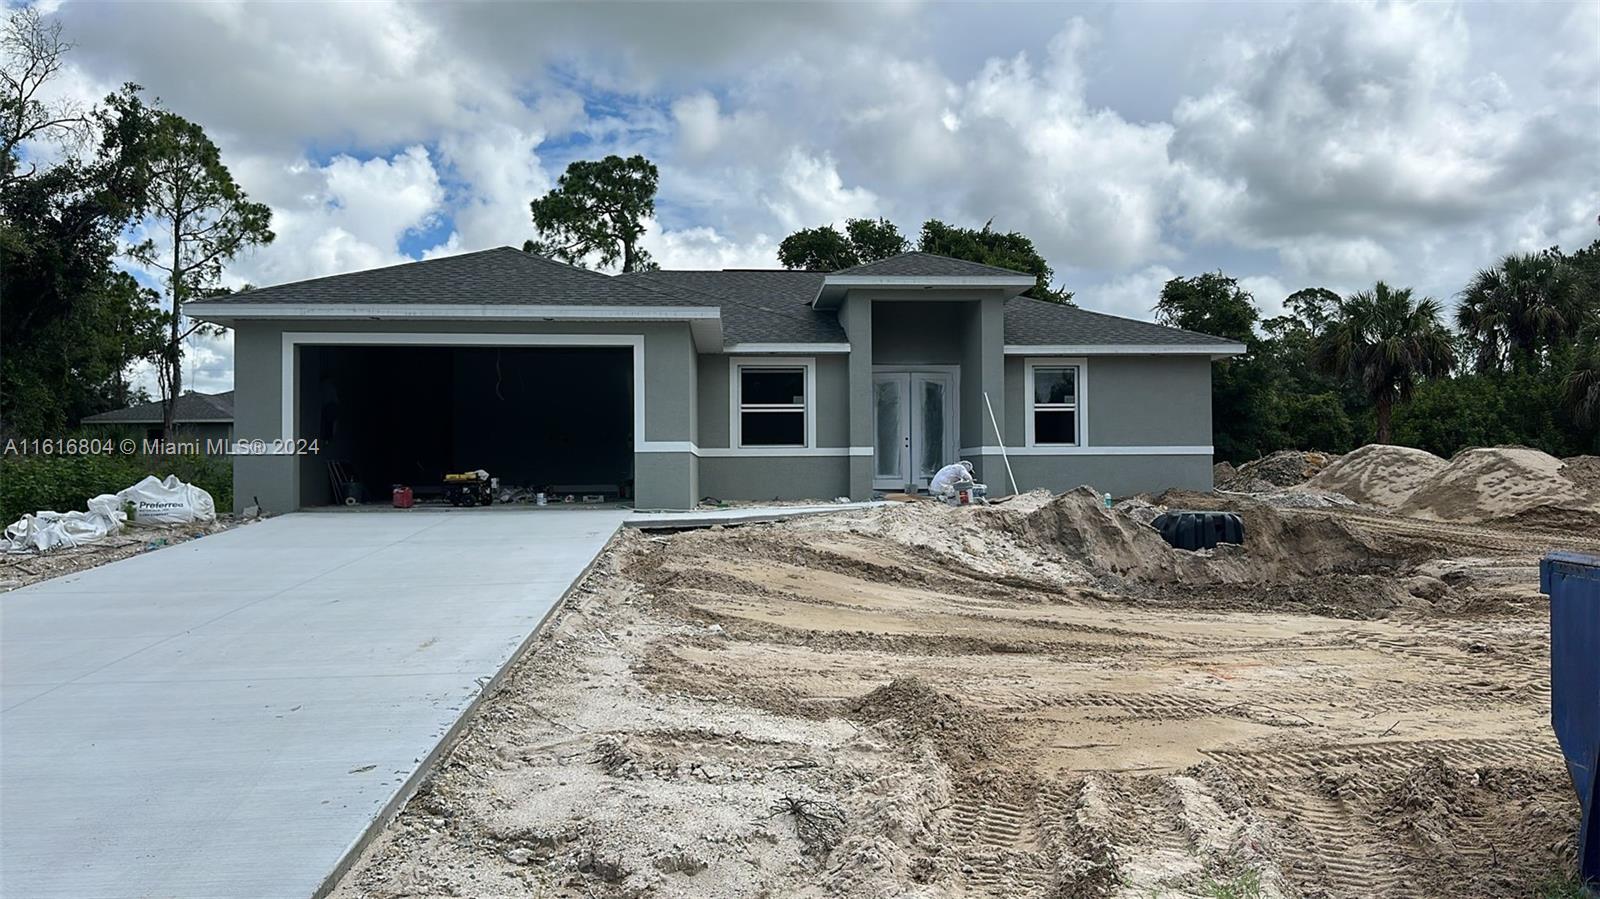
913, 426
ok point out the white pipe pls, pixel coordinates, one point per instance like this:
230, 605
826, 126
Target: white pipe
1001, 441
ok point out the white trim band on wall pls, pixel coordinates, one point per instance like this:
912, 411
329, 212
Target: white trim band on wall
750, 452
1087, 450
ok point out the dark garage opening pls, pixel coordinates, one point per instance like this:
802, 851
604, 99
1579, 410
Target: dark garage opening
533, 417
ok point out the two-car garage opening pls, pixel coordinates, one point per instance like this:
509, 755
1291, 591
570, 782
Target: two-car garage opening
553, 419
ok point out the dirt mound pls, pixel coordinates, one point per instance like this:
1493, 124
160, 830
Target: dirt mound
1583, 471
960, 734
1278, 547
1451, 820
1496, 482
1284, 468
1378, 474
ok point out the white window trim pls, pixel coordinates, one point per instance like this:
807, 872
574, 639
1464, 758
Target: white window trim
1082, 389
736, 385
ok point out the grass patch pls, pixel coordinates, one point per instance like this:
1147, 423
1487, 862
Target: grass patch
65, 483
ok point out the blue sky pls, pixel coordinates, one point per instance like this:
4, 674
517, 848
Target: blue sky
1288, 145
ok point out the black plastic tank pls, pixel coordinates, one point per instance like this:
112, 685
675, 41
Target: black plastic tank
1199, 530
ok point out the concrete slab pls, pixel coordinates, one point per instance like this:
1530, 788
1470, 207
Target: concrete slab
229, 717
703, 518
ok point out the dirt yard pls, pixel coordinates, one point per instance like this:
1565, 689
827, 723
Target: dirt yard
1036, 699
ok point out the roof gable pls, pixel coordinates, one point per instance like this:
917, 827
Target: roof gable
188, 408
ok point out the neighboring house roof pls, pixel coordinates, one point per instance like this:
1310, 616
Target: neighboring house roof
499, 276
758, 306
928, 265
1031, 322
189, 408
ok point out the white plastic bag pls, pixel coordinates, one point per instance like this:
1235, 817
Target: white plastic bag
45, 531
168, 502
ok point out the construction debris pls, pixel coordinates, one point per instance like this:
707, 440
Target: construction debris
1037, 698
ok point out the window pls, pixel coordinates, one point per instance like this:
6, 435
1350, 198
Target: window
772, 404
1055, 403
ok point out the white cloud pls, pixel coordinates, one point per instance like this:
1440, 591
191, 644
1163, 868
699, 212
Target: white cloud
704, 248
344, 216
1348, 142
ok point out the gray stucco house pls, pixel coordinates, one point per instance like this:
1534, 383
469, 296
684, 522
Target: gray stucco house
665, 387
206, 418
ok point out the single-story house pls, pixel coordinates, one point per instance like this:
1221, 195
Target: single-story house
665, 387
206, 418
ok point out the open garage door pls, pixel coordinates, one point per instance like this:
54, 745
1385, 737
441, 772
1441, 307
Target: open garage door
536, 418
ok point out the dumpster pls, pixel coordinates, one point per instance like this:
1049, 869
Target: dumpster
1572, 581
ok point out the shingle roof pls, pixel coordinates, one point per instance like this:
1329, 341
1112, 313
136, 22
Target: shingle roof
758, 306
931, 265
1038, 322
189, 407
499, 276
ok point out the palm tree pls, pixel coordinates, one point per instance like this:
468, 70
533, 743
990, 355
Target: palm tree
1580, 390
1384, 341
1512, 310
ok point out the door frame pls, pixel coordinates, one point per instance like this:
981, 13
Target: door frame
953, 429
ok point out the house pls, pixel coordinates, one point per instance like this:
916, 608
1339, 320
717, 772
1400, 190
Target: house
668, 386
203, 417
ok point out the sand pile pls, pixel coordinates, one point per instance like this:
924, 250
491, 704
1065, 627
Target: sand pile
1284, 468
1378, 474
1497, 482
1278, 548
961, 735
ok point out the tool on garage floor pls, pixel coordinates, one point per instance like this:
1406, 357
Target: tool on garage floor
403, 497
469, 488
346, 489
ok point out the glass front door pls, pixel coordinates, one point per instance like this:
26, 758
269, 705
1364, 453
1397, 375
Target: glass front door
913, 427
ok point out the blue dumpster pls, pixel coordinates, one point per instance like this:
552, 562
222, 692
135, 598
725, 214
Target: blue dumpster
1572, 581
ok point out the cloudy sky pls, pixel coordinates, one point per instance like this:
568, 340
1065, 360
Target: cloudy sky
1289, 145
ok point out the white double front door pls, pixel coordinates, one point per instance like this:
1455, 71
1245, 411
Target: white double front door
913, 426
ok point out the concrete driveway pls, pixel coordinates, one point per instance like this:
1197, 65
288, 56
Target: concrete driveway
228, 717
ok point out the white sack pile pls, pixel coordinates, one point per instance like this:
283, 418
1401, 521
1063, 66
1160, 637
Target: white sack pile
152, 500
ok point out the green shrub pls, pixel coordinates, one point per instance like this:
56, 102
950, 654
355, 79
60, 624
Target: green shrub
65, 483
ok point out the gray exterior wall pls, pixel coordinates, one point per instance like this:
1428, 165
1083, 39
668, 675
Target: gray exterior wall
669, 387
1131, 401
832, 402
908, 332
791, 477
1117, 475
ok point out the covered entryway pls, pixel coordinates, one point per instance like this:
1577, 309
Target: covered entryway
558, 419
913, 424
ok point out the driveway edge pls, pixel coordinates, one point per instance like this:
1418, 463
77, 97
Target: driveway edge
409, 789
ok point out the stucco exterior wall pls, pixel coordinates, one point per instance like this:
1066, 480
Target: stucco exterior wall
1130, 401
1157, 403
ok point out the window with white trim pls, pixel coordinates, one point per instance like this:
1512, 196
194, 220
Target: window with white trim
1054, 405
772, 405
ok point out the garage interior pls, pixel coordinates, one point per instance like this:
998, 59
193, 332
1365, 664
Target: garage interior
558, 420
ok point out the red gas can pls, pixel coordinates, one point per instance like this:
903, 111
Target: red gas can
402, 497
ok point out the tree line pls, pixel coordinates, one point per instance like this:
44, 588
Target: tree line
82, 189
1521, 365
